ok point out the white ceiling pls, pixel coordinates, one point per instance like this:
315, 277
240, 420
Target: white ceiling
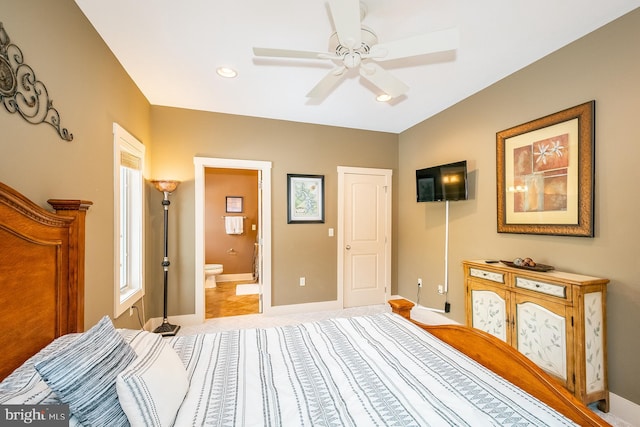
171, 50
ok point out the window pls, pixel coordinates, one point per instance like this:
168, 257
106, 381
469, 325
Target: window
129, 219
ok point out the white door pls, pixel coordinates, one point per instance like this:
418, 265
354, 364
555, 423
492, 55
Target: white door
364, 239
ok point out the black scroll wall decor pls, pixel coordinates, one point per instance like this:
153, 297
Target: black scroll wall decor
21, 92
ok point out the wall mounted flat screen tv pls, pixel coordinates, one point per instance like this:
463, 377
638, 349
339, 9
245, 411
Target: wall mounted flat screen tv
442, 183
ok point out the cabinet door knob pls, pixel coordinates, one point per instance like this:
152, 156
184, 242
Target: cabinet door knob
348, 247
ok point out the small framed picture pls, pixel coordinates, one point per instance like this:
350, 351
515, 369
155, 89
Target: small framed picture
234, 204
305, 199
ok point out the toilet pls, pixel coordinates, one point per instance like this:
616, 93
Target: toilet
210, 273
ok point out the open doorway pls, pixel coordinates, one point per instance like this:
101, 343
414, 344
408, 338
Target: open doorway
256, 244
231, 242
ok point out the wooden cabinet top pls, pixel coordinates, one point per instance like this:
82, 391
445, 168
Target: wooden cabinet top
560, 276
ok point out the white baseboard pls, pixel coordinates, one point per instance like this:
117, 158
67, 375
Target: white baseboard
624, 409
278, 310
283, 310
234, 277
430, 316
182, 320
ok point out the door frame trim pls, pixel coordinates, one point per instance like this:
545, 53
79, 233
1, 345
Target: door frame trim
387, 173
264, 225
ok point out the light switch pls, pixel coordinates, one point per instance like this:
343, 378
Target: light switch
331, 232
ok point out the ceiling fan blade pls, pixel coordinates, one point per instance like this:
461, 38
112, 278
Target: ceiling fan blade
383, 80
287, 53
437, 41
328, 83
346, 19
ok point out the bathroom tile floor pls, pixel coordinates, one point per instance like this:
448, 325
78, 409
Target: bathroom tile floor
222, 301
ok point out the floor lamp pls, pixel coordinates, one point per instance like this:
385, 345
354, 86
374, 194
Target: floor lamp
166, 187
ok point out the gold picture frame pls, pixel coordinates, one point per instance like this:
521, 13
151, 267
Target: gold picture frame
545, 174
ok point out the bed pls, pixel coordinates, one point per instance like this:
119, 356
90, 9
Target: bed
372, 370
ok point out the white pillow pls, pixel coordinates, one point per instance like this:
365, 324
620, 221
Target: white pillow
141, 342
153, 387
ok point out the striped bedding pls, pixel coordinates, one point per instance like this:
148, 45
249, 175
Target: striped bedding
360, 371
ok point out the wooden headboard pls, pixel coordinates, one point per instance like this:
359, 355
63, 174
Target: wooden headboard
41, 274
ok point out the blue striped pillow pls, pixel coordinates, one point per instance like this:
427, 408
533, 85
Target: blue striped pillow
83, 374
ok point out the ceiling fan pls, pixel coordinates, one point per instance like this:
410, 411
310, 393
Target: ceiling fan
354, 46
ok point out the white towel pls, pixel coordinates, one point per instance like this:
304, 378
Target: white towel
233, 224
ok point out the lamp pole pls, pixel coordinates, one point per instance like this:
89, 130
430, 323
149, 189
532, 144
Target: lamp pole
166, 187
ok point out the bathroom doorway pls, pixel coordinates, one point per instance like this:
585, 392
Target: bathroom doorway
231, 242
235, 263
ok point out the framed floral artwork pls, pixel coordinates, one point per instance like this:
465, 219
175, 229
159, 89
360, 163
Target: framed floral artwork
545, 174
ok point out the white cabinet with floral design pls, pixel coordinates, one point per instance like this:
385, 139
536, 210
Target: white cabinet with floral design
556, 319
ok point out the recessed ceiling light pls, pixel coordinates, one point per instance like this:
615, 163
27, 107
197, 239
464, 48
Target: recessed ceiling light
227, 72
383, 97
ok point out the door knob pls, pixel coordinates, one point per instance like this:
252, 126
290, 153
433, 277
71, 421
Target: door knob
348, 247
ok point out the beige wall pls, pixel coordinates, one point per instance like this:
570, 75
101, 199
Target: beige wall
91, 91
297, 249
604, 66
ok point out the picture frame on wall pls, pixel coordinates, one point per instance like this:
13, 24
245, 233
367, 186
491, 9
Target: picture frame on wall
545, 174
234, 204
305, 199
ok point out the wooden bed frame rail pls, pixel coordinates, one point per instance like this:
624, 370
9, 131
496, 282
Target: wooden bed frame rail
509, 363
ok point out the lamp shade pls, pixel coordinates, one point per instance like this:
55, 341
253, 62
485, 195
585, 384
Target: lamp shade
165, 185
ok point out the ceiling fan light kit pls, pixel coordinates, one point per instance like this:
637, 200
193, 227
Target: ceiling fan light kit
352, 56
354, 46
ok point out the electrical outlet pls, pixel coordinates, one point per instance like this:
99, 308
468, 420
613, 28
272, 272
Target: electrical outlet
303, 281
130, 311
419, 282
440, 289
